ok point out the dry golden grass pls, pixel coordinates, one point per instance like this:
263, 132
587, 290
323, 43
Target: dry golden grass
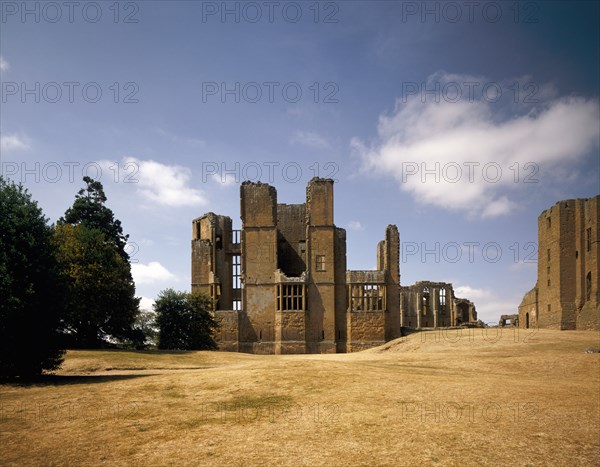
430, 399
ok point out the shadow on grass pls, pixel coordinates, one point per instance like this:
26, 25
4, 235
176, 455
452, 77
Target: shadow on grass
61, 380
141, 351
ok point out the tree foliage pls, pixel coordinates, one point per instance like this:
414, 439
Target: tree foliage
146, 324
89, 209
185, 321
30, 288
101, 300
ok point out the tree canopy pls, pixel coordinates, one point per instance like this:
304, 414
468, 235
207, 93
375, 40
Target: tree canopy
89, 209
101, 299
185, 321
30, 289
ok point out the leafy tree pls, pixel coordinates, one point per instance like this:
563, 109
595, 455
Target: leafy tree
30, 288
89, 209
145, 333
101, 293
185, 321
100, 298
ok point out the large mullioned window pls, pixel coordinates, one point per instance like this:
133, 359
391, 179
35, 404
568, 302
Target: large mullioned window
290, 297
367, 297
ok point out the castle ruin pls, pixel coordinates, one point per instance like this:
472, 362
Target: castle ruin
280, 285
566, 294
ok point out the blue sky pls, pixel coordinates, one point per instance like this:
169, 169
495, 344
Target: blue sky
457, 123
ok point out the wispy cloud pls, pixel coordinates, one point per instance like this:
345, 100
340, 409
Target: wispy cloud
524, 265
464, 155
310, 139
14, 143
181, 139
355, 225
4, 65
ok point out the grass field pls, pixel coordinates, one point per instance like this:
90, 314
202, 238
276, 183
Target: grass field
433, 399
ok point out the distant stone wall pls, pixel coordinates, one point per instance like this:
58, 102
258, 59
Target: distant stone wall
429, 304
528, 310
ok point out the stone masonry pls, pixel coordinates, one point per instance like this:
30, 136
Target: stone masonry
280, 285
566, 295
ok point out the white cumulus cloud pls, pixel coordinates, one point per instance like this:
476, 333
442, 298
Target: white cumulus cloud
168, 185
146, 303
464, 155
472, 293
150, 273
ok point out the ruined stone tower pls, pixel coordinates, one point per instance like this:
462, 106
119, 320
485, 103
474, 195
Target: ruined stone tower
566, 295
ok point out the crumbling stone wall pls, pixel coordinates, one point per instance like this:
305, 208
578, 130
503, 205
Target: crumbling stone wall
227, 335
367, 306
212, 252
509, 320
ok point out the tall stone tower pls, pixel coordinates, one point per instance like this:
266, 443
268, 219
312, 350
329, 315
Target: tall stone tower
566, 295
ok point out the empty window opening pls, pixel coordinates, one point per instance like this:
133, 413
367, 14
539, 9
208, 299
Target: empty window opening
236, 282
237, 305
367, 297
588, 286
425, 299
443, 297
